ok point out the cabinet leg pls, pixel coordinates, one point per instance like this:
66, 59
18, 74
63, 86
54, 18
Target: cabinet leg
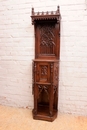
34, 111
51, 102
35, 106
35, 102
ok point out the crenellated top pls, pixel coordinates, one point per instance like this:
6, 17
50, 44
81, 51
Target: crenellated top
49, 15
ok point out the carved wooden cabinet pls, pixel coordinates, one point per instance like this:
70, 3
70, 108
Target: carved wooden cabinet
46, 64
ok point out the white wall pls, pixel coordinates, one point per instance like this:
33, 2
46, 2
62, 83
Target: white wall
17, 52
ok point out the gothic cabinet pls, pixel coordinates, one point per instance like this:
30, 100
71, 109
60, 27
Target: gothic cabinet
46, 64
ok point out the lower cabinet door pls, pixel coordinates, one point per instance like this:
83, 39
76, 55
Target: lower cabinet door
43, 72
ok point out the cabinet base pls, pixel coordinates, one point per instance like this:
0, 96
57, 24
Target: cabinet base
44, 116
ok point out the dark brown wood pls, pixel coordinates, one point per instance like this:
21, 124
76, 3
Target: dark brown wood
46, 64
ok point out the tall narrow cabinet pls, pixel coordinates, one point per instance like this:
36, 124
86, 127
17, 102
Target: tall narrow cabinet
46, 64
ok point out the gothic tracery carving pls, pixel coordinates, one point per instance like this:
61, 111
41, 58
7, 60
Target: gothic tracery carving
47, 39
44, 70
41, 88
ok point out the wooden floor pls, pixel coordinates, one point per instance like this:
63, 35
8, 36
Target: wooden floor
21, 119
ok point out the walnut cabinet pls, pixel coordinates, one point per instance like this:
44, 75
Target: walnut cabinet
46, 64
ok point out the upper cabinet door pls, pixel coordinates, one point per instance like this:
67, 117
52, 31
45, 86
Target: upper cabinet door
47, 40
47, 34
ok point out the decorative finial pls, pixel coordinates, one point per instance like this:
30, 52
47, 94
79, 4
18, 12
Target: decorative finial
32, 11
51, 12
47, 13
42, 13
58, 9
38, 13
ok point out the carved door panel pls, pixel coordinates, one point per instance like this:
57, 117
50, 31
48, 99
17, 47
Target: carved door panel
43, 72
46, 40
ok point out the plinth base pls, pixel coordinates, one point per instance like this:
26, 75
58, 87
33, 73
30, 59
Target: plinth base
44, 116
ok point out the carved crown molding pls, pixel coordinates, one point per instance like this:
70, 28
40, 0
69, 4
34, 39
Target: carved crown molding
49, 15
